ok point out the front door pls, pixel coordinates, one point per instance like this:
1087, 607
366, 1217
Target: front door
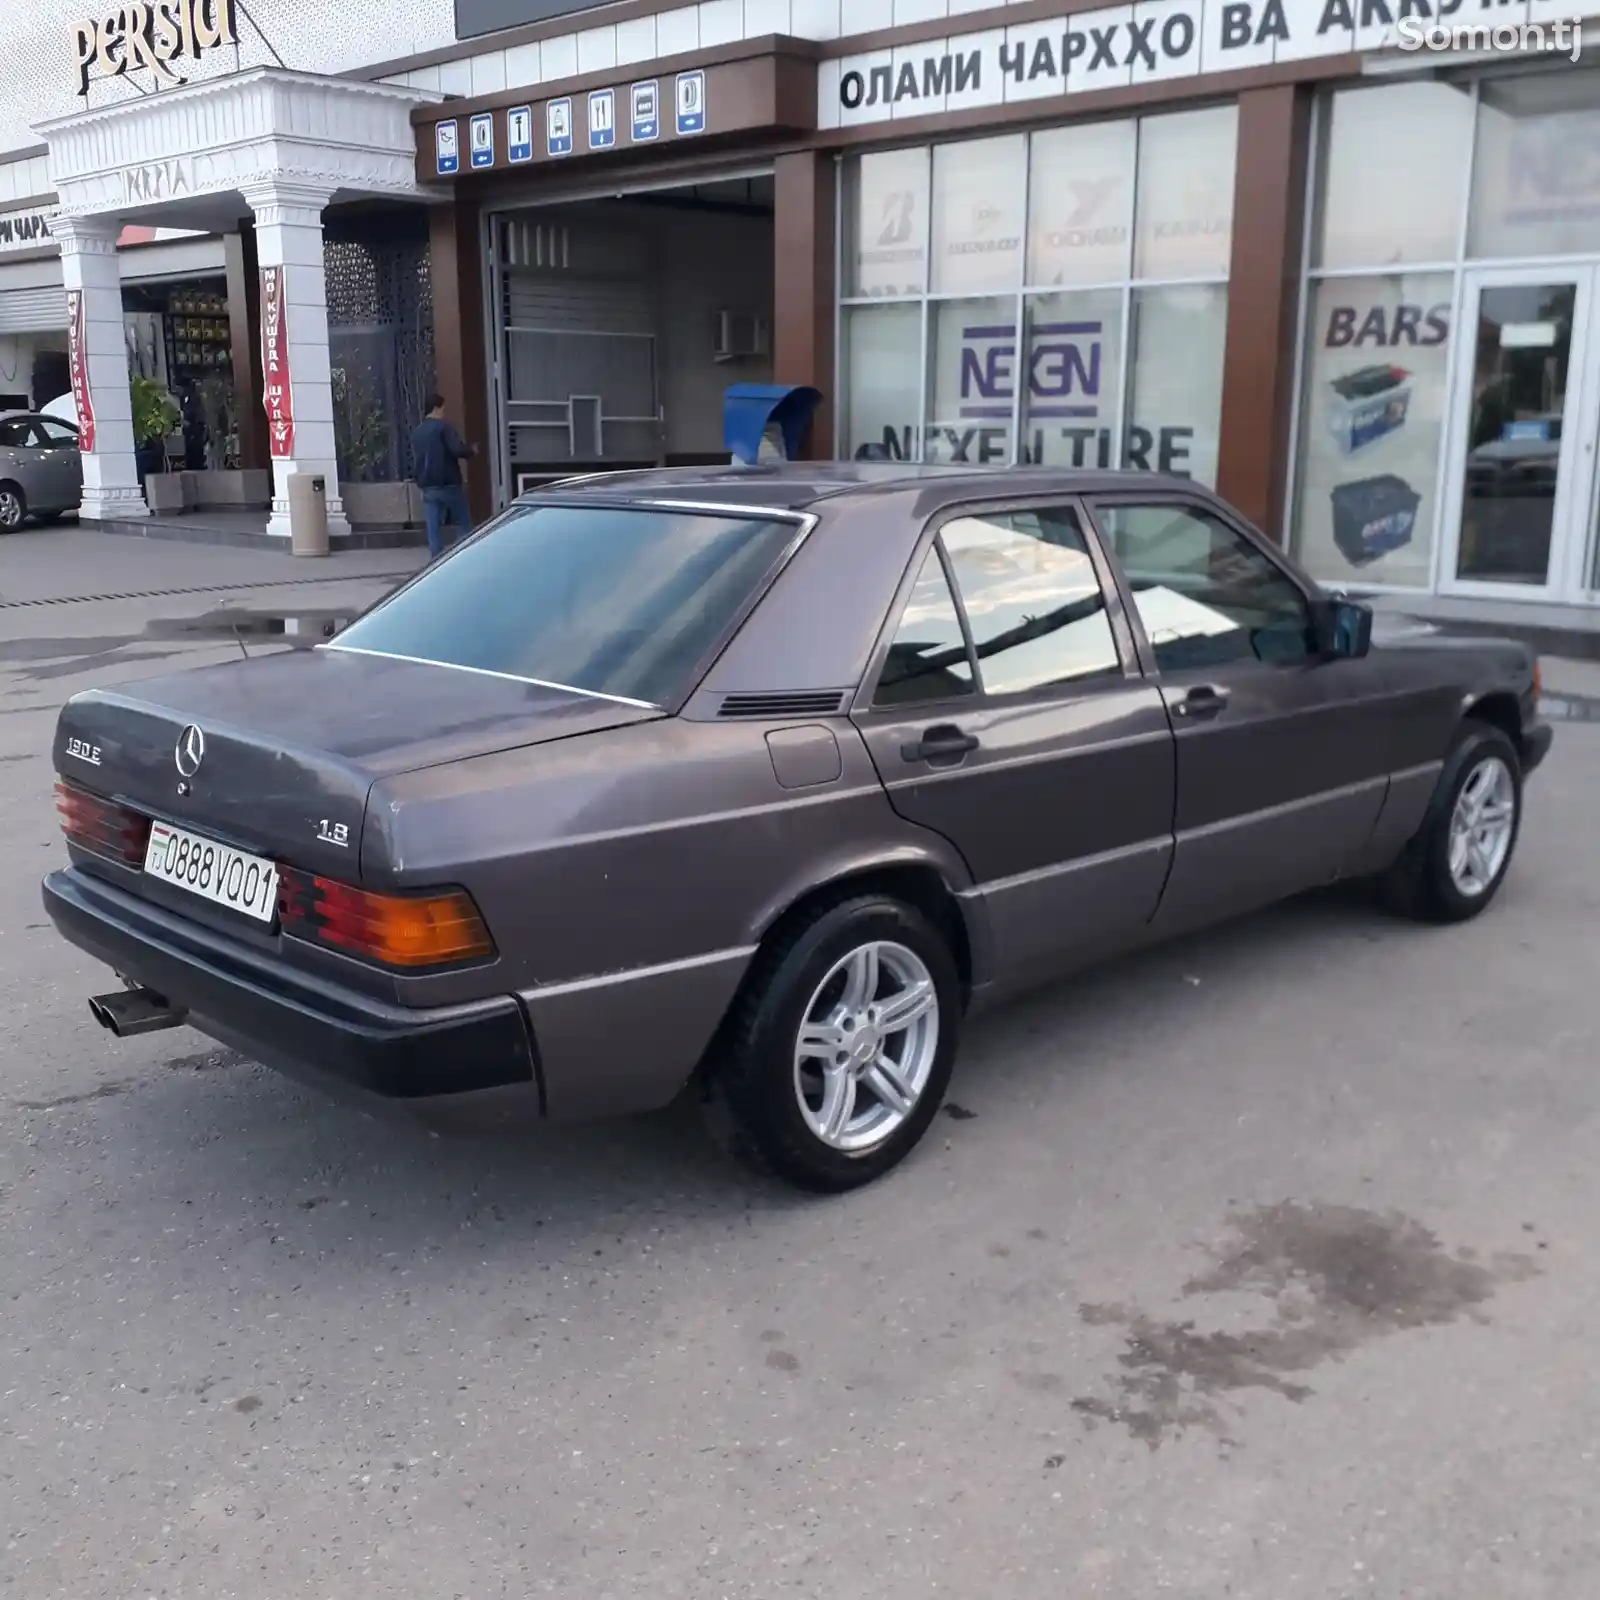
60, 468
1283, 755
1011, 716
1521, 489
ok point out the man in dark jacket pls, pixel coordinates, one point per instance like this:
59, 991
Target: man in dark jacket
438, 451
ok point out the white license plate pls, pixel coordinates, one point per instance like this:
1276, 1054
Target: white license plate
215, 872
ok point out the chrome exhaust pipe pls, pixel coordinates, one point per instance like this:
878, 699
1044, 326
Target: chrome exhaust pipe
130, 1012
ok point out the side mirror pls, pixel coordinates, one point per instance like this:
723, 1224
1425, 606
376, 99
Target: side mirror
1343, 628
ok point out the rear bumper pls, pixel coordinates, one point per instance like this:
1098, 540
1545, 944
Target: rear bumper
472, 1067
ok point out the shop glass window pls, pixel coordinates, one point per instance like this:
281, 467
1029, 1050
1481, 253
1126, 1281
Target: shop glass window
881, 347
1205, 594
979, 190
1080, 204
1187, 163
1175, 404
1034, 606
1394, 165
1372, 427
886, 224
928, 660
1536, 179
973, 361
1074, 378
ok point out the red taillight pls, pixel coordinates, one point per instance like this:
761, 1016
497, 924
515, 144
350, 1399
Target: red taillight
405, 931
101, 826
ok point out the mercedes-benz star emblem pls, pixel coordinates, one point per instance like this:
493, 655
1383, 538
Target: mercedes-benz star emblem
191, 751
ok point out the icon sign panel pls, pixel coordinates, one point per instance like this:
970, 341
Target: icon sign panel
691, 102
602, 119
646, 117
519, 133
483, 140
447, 148
558, 127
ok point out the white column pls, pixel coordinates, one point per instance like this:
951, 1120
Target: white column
289, 235
111, 488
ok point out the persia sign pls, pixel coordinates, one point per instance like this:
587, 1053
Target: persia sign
150, 38
78, 369
275, 364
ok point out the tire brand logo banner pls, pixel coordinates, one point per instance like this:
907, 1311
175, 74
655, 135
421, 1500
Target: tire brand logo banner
78, 367
276, 392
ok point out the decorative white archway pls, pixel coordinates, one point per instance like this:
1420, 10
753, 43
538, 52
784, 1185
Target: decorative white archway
280, 145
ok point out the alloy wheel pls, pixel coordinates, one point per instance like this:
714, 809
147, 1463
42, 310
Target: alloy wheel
1482, 826
867, 1046
11, 512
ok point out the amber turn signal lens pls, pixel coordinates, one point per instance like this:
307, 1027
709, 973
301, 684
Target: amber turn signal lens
405, 931
1538, 676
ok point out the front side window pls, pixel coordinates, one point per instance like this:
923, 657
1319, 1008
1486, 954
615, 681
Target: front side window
624, 601
1033, 602
58, 435
1205, 594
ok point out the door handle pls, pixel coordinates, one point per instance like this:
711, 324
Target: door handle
940, 745
1203, 701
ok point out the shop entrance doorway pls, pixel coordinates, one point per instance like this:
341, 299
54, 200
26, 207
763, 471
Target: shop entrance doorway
618, 323
1522, 489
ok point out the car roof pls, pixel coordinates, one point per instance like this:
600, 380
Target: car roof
796, 485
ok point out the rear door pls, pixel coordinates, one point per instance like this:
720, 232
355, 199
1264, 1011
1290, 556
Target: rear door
1283, 755
1009, 713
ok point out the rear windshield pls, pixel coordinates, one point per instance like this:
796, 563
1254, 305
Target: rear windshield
624, 602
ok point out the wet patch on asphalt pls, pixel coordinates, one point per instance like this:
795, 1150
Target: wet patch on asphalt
106, 1091
1338, 1278
204, 1061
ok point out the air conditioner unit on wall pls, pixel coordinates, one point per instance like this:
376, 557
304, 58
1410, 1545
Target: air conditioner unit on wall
742, 335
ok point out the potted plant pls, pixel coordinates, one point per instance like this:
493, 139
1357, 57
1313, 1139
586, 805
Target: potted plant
155, 415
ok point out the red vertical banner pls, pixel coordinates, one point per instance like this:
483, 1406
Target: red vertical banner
78, 369
275, 364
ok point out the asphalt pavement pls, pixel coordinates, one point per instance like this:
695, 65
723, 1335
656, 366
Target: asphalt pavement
1262, 1266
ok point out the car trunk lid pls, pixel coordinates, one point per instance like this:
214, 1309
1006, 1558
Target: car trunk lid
290, 745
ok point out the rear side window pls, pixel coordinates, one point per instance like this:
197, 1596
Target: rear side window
620, 601
1034, 605
928, 659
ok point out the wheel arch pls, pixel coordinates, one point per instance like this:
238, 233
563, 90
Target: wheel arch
917, 881
1501, 709
17, 489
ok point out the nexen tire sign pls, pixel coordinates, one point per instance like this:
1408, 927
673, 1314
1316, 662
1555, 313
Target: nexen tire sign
1067, 415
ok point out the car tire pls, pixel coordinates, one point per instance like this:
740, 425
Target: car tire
772, 1094
13, 507
1454, 866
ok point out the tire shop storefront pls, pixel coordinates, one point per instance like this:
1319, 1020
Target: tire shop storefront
1111, 236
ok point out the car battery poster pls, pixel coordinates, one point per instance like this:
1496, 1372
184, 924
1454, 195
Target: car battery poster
1372, 428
